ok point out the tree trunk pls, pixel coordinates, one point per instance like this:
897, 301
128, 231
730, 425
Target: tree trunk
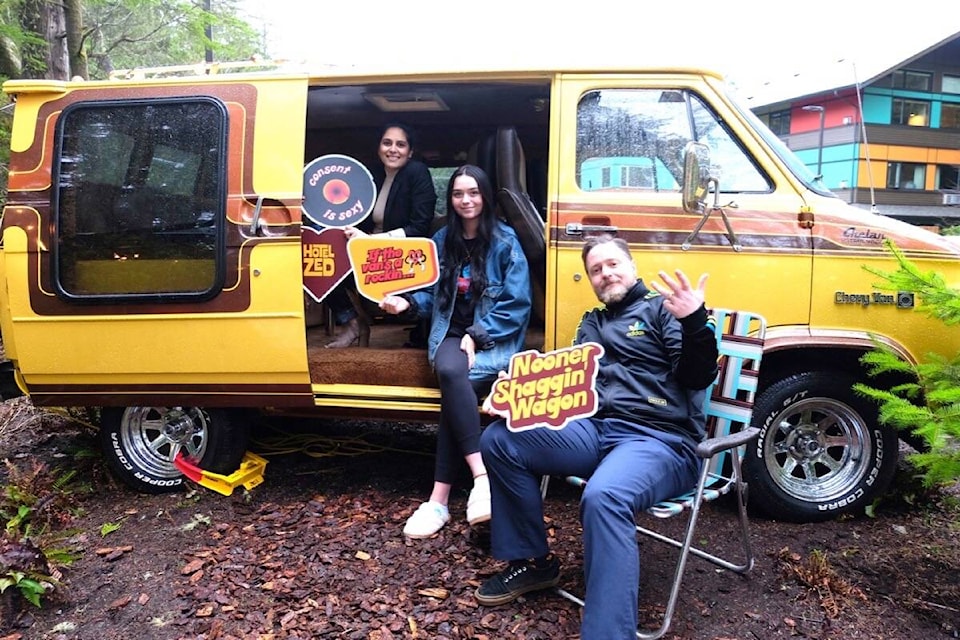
58, 64
45, 19
73, 14
11, 65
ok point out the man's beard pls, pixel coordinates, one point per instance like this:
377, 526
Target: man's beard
613, 293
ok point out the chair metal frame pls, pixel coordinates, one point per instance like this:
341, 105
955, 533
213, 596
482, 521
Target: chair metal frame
729, 410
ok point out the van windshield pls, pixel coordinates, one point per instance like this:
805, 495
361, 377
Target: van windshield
800, 170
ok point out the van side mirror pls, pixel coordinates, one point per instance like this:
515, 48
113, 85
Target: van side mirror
697, 184
696, 176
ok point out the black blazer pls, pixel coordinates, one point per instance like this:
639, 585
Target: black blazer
411, 201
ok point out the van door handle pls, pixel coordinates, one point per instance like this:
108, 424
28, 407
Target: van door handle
578, 229
257, 227
255, 219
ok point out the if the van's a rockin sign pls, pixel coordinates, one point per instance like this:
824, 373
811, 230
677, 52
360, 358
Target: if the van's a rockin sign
389, 266
338, 191
900, 299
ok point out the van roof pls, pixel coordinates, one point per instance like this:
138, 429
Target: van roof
232, 71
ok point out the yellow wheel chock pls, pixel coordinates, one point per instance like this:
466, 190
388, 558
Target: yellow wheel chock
250, 474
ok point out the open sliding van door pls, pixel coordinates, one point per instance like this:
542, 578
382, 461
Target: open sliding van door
151, 261
152, 242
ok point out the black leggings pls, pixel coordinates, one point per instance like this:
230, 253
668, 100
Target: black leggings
459, 428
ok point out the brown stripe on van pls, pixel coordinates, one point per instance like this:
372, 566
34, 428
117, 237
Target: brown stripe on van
221, 395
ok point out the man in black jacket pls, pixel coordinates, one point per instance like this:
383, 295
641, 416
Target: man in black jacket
660, 354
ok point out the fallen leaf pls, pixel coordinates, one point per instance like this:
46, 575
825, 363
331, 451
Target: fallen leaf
192, 567
435, 592
491, 620
107, 551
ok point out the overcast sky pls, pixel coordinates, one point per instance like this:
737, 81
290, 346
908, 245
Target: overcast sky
751, 41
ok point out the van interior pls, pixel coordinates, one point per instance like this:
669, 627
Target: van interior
500, 126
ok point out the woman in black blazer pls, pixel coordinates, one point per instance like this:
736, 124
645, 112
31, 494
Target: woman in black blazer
405, 206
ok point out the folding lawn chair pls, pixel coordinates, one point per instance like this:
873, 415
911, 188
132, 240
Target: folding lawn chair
728, 408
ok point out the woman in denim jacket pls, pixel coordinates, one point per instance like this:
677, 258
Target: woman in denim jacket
479, 310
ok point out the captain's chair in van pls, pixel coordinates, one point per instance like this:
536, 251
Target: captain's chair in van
519, 210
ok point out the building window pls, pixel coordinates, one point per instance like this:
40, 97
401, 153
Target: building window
912, 80
638, 177
948, 177
779, 122
906, 175
951, 84
950, 116
140, 200
915, 113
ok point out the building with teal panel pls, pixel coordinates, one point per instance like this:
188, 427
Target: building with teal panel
888, 140
626, 172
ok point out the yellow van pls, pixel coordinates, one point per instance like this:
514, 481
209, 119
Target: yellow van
152, 262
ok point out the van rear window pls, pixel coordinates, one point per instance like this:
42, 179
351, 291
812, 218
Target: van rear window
140, 199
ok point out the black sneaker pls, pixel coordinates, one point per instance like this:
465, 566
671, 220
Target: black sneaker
516, 580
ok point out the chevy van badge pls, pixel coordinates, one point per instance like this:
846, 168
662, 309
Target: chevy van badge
338, 191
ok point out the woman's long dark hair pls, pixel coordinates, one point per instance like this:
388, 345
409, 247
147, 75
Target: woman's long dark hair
455, 249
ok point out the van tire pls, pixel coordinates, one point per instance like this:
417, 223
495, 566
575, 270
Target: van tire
821, 450
140, 443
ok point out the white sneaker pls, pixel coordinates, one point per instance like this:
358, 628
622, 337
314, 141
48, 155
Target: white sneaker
426, 520
478, 503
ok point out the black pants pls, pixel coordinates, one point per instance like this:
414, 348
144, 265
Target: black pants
459, 428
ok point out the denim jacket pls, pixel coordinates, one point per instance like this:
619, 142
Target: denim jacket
500, 317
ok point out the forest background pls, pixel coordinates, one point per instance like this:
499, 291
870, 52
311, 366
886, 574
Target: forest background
90, 39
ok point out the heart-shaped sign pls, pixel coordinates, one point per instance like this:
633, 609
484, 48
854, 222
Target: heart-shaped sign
325, 260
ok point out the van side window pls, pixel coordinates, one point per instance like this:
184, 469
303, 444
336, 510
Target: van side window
633, 139
140, 200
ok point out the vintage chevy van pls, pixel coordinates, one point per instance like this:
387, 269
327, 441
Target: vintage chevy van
152, 262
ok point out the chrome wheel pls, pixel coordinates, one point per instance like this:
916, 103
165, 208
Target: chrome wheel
153, 436
821, 450
141, 443
818, 449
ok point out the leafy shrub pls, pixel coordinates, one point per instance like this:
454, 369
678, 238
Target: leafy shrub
34, 504
928, 403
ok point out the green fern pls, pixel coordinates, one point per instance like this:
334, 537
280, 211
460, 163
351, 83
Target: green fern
29, 586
